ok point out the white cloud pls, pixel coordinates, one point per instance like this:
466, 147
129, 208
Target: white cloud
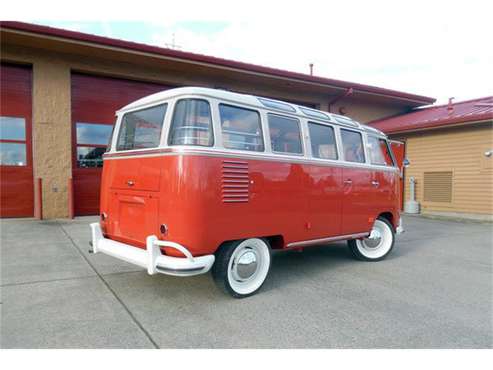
436, 49
439, 49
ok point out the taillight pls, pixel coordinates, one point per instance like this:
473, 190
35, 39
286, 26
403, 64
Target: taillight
163, 229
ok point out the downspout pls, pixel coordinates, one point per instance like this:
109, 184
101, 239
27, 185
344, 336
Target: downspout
341, 96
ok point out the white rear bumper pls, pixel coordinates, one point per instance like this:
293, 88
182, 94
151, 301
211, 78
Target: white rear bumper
151, 258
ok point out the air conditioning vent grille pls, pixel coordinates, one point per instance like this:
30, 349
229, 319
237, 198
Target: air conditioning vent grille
438, 186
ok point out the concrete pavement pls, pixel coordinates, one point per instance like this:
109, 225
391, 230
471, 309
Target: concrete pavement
434, 291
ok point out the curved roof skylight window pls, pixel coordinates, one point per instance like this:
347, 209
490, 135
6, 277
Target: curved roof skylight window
274, 104
314, 113
346, 121
372, 129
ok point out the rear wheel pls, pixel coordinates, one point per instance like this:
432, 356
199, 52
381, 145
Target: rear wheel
241, 267
377, 245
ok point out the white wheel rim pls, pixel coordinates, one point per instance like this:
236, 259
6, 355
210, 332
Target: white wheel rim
248, 266
379, 245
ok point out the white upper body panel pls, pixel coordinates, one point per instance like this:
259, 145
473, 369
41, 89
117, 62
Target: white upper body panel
245, 99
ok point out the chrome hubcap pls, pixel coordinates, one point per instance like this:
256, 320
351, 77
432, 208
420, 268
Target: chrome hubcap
374, 240
248, 266
245, 265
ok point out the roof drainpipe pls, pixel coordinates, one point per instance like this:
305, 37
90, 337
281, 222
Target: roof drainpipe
345, 94
450, 107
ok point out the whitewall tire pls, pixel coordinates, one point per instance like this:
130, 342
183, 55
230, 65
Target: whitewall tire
241, 267
377, 245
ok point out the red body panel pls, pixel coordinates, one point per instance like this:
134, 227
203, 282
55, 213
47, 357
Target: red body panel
16, 182
358, 200
296, 201
399, 150
95, 100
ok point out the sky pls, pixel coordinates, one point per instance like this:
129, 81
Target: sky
432, 48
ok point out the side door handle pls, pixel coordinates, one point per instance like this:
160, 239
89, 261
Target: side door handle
375, 183
130, 183
348, 181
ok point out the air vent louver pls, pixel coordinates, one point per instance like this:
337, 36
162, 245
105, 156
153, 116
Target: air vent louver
235, 182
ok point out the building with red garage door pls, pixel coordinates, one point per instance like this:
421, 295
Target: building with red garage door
450, 149
60, 90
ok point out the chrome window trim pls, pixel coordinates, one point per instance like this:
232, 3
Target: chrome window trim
255, 106
218, 150
119, 117
388, 148
300, 130
318, 114
261, 126
309, 140
116, 131
221, 152
193, 97
262, 101
363, 142
394, 160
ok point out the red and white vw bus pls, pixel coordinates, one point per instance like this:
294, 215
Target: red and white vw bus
197, 179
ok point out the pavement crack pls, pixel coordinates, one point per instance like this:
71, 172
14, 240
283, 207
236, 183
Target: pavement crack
48, 280
108, 286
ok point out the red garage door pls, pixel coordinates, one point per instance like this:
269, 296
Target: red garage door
16, 165
94, 102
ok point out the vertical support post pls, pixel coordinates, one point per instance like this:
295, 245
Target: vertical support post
70, 191
412, 195
38, 199
412, 206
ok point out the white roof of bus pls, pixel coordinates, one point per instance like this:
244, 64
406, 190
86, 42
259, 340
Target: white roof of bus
240, 98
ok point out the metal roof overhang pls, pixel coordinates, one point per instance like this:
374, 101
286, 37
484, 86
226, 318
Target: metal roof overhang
70, 42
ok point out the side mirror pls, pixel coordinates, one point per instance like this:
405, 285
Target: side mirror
405, 162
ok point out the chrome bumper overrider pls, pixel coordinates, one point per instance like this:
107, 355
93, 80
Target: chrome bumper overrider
151, 258
400, 227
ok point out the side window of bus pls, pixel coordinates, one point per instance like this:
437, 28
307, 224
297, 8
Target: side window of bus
141, 129
323, 141
352, 146
192, 123
285, 134
379, 151
241, 128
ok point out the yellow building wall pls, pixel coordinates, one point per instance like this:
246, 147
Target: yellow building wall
460, 150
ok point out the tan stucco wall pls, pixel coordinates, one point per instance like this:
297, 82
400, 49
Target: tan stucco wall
52, 133
460, 150
363, 111
52, 127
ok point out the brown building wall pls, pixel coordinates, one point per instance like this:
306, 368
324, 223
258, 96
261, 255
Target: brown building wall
52, 130
461, 151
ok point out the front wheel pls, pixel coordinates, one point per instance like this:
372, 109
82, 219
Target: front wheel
241, 267
377, 245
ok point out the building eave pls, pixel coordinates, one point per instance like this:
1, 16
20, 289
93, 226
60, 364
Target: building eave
133, 47
451, 124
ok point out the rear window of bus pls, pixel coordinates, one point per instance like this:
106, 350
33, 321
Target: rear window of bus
141, 129
192, 123
352, 146
323, 141
241, 128
379, 151
285, 134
